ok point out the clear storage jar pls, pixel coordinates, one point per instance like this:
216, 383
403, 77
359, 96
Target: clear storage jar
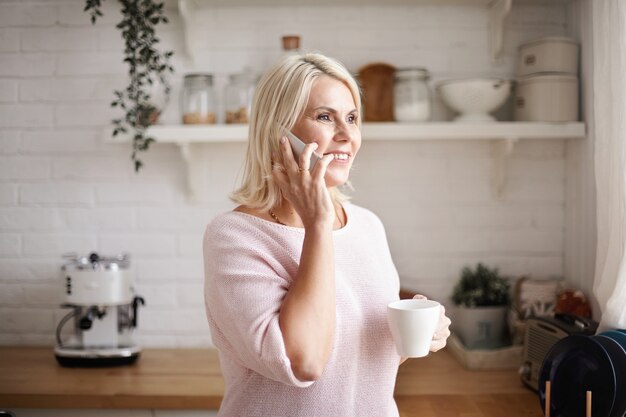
412, 96
238, 97
198, 101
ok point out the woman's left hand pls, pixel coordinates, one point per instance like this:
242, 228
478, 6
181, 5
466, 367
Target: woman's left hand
443, 332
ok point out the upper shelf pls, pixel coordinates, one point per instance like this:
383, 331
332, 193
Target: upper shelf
185, 134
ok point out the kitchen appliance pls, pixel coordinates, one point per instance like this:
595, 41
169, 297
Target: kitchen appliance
547, 98
99, 292
549, 54
474, 98
542, 333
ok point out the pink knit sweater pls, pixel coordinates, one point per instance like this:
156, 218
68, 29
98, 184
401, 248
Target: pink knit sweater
249, 266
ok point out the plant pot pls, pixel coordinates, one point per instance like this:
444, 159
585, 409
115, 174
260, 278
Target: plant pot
480, 327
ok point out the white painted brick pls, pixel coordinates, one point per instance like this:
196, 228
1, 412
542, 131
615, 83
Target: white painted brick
550, 242
145, 244
196, 341
25, 320
470, 190
57, 193
546, 266
163, 295
99, 219
92, 167
59, 141
72, 14
11, 295
10, 244
536, 15
538, 149
54, 245
191, 295
479, 169
69, 89
175, 219
538, 190
103, 63
9, 141
26, 115
21, 167
43, 295
550, 217
58, 39
190, 245
8, 91
99, 114
174, 269
10, 339
30, 218
27, 14
151, 270
191, 270
8, 194
492, 218
26, 65
155, 341
536, 170
133, 193
38, 339
9, 40
179, 321
35, 270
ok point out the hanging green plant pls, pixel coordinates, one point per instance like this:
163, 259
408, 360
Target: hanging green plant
146, 66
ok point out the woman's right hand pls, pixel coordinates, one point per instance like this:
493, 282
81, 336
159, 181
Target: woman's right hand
305, 190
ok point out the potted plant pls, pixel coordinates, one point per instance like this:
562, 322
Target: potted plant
148, 87
481, 297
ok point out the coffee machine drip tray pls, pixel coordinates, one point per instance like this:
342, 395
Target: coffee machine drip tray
95, 357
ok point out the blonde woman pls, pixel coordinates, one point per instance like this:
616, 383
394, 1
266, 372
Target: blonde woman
297, 278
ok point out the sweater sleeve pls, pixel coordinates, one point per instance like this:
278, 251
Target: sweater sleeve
245, 284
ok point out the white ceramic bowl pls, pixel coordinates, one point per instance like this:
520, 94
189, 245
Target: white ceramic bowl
474, 98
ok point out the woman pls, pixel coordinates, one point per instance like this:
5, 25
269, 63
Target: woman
297, 279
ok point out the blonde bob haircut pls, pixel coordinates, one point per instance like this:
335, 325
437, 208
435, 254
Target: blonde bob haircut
279, 101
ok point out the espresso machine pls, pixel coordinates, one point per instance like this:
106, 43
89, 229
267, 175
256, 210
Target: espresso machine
103, 315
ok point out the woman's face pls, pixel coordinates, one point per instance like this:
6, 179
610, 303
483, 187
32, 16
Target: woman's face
330, 120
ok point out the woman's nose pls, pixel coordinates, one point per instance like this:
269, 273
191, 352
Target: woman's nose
342, 131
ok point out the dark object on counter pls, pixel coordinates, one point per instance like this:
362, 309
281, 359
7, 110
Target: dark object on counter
544, 332
377, 81
575, 365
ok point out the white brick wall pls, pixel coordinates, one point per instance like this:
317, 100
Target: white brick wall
62, 188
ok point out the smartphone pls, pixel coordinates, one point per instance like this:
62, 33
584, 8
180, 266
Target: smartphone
298, 147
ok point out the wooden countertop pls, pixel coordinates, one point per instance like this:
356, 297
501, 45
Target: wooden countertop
190, 379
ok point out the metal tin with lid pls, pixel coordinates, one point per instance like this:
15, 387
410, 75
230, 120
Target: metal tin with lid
549, 54
412, 96
547, 98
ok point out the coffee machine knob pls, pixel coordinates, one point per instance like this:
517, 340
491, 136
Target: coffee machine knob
85, 323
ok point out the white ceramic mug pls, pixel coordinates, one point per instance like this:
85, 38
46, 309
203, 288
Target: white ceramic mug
413, 324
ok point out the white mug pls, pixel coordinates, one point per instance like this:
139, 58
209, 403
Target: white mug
413, 324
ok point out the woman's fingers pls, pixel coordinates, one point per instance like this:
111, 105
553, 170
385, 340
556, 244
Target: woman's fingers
320, 167
305, 157
442, 333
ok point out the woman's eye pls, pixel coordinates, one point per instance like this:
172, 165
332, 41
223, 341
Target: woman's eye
352, 118
324, 117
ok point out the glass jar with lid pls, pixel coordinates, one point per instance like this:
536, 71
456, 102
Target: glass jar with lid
412, 97
238, 97
198, 101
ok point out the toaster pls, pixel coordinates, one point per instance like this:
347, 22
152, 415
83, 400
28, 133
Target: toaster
541, 334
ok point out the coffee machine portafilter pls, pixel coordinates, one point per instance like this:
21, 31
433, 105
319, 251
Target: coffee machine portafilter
104, 308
